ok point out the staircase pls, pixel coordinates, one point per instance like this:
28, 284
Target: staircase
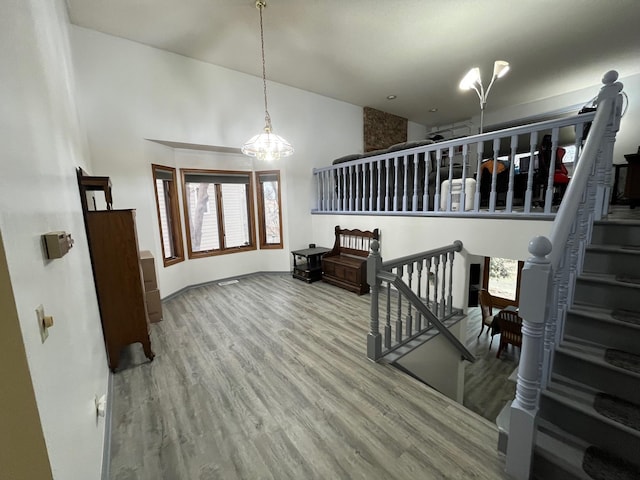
589, 418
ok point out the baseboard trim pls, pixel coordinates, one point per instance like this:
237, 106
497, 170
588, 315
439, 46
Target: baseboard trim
106, 448
211, 282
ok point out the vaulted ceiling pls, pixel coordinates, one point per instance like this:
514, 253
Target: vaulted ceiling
361, 51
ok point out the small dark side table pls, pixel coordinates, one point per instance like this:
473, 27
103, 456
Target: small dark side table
307, 263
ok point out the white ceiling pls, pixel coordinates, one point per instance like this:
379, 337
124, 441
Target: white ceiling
360, 51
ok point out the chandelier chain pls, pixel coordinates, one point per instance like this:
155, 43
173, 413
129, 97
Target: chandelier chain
267, 117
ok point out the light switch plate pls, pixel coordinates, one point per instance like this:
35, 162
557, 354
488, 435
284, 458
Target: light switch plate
44, 333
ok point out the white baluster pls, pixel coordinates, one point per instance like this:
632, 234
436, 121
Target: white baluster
533, 142
436, 303
419, 317
548, 202
514, 146
450, 298
494, 176
443, 308
409, 323
436, 200
400, 273
480, 148
463, 192
425, 191
414, 197
405, 181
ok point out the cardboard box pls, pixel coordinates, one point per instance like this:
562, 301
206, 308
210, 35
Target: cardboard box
148, 270
154, 305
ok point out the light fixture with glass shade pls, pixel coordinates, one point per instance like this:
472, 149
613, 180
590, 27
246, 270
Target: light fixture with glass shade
472, 80
266, 145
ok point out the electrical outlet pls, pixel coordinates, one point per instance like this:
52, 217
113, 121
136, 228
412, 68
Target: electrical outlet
44, 333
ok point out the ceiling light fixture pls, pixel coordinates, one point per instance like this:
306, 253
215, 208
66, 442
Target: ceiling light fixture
472, 80
266, 145
391, 97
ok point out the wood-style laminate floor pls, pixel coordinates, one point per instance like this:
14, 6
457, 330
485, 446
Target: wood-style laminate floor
268, 378
487, 387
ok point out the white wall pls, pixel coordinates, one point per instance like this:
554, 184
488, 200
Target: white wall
438, 364
129, 92
42, 146
415, 131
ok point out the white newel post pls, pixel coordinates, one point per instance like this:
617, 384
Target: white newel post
536, 280
374, 339
610, 90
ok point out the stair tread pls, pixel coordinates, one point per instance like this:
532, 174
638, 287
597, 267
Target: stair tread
568, 453
623, 248
608, 278
580, 404
561, 448
590, 352
602, 314
607, 222
589, 397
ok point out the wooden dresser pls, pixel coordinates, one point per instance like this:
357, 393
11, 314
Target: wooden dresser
115, 258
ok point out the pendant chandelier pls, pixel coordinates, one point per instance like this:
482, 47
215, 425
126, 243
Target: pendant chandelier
266, 145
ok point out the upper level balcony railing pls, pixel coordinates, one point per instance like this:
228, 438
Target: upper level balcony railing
516, 171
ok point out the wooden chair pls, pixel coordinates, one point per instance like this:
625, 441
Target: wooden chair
486, 306
510, 326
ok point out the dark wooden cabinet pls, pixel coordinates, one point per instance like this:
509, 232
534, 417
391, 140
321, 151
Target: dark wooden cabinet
117, 271
119, 283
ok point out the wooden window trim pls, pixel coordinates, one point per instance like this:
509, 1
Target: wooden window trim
220, 214
501, 302
174, 223
264, 245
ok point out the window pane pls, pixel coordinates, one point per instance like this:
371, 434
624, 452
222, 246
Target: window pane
168, 214
271, 211
164, 219
219, 207
503, 277
203, 218
236, 215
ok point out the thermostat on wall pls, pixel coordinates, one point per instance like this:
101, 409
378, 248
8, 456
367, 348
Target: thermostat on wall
57, 243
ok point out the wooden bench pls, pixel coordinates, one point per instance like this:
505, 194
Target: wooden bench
346, 264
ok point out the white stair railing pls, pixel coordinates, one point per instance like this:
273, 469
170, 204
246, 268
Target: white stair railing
549, 276
442, 178
416, 293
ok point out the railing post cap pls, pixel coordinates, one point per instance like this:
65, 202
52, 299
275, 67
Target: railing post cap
540, 246
375, 245
458, 245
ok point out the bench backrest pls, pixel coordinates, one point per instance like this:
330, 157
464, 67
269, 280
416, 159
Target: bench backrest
353, 242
